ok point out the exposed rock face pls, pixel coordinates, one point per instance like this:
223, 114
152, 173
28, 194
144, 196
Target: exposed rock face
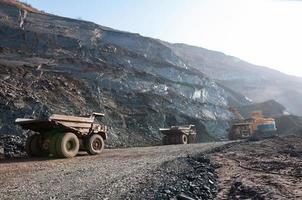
269, 109
256, 82
51, 64
289, 125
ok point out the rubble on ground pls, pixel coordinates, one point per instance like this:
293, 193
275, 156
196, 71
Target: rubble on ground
12, 146
116, 174
267, 169
187, 178
199, 182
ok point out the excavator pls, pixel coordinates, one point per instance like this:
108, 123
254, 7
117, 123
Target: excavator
256, 127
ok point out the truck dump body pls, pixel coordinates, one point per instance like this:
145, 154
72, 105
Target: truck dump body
43, 125
82, 124
176, 129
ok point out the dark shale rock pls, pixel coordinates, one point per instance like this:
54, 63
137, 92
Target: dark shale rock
241, 191
52, 64
184, 178
241, 77
12, 146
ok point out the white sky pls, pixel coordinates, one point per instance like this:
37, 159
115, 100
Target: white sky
263, 32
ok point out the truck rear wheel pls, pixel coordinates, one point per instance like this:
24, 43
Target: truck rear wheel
95, 144
165, 140
32, 146
183, 139
173, 139
28, 144
67, 145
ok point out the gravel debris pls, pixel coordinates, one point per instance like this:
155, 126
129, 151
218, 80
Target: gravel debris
115, 174
12, 146
191, 177
266, 169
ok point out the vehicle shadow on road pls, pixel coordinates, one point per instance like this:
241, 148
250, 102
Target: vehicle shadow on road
20, 160
38, 159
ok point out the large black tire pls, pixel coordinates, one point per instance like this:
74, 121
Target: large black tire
32, 146
67, 145
58, 146
28, 144
183, 139
165, 140
173, 139
95, 144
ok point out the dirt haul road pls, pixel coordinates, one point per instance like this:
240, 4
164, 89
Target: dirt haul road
112, 175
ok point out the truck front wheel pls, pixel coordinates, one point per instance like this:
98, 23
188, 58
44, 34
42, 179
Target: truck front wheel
95, 144
165, 140
68, 145
32, 147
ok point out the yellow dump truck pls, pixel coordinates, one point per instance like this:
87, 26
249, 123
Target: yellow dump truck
257, 126
63, 135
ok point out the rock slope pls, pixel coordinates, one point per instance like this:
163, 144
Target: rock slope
51, 64
269, 108
256, 82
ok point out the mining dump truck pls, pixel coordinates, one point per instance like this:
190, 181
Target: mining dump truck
255, 127
63, 136
178, 134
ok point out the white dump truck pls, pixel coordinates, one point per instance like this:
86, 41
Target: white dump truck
179, 134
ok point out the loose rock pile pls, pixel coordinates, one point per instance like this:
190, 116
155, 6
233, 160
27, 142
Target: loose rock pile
266, 169
241, 191
12, 146
199, 182
186, 178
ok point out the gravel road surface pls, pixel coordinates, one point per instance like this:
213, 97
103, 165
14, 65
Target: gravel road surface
266, 169
111, 175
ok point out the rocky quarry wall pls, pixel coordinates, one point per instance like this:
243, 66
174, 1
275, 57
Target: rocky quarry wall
51, 64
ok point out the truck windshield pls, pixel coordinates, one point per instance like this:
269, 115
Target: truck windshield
99, 119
